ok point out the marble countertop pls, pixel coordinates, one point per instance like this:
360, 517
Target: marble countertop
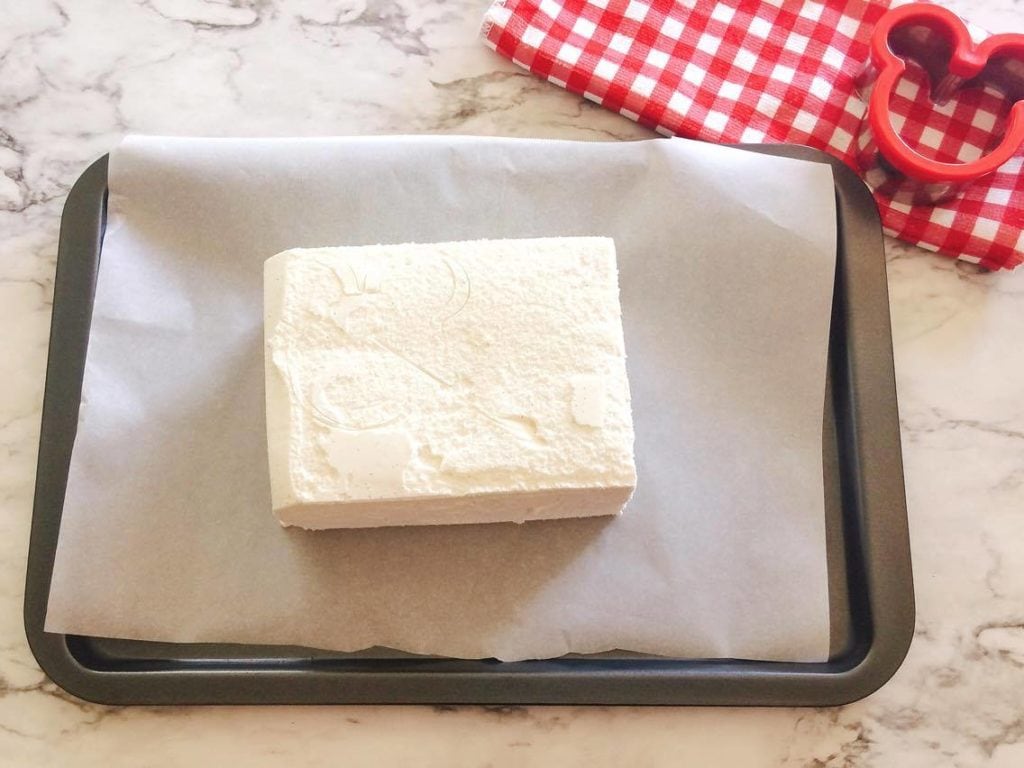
70, 87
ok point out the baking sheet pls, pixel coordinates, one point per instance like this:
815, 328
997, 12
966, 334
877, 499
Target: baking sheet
727, 262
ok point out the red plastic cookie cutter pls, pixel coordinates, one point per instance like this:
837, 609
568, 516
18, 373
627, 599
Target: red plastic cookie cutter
938, 41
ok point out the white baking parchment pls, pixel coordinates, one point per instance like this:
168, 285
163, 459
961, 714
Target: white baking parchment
727, 261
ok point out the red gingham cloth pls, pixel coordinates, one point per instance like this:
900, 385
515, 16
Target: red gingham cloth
769, 71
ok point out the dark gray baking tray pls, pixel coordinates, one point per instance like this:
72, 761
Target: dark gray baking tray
870, 588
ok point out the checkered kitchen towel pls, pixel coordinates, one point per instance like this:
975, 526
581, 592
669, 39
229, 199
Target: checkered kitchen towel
769, 71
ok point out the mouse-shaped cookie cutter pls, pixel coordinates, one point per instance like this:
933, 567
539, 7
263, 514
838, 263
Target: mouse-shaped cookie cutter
939, 42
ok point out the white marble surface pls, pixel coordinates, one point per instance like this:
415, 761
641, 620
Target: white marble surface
70, 86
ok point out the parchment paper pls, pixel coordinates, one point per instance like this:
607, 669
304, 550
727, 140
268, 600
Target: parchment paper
727, 262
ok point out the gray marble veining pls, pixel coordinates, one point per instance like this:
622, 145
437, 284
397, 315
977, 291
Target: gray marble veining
70, 86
